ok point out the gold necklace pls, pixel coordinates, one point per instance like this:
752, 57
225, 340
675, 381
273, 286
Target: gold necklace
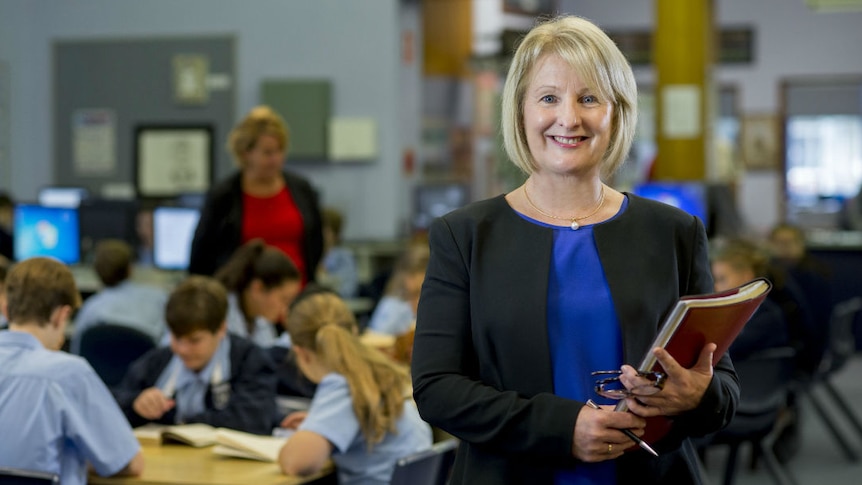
574, 220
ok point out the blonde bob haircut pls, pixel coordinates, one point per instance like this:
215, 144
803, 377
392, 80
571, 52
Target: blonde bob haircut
261, 120
600, 64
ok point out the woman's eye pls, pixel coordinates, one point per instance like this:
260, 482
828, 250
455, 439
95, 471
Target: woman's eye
589, 99
548, 98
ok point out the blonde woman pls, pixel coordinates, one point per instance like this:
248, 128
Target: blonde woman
527, 293
361, 414
261, 200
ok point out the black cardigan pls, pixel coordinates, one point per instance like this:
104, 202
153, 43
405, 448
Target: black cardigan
481, 360
219, 231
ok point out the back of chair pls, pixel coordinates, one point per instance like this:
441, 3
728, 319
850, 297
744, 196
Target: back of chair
429, 467
765, 378
110, 349
17, 476
842, 341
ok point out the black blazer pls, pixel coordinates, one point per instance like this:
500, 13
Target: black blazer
481, 360
219, 230
251, 404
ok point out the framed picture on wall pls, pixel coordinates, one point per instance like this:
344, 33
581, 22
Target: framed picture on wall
759, 138
173, 160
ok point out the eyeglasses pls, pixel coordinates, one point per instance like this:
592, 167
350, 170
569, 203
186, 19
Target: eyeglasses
612, 388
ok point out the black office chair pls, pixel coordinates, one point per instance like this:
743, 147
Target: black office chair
842, 346
111, 349
18, 476
765, 379
429, 467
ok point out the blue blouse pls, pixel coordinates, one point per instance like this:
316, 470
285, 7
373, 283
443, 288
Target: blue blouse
583, 330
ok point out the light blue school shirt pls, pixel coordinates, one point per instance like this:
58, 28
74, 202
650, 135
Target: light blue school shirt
583, 330
340, 263
331, 416
129, 304
56, 415
392, 316
189, 388
263, 334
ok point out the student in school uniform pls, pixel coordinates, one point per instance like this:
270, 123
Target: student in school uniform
261, 282
122, 301
56, 415
205, 375
361, 415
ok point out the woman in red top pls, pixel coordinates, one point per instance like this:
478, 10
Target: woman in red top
261, 200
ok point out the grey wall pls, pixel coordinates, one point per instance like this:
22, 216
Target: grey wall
356, 44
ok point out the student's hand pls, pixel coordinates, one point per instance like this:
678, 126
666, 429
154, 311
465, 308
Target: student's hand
152, 404
597, 434
294, 419
683, 389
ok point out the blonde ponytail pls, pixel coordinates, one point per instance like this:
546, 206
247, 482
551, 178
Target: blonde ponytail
323, 324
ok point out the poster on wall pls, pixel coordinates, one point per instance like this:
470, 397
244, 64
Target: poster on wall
759, 137
94, 142
173, 160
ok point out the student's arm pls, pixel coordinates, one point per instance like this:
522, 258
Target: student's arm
134, 468
141, 376
305, 453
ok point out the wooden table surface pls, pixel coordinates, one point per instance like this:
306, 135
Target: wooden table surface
186, 465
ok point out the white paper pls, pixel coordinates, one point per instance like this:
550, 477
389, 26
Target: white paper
352, 139
681, 111
94, 142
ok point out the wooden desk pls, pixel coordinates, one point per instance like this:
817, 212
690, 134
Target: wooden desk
185, 465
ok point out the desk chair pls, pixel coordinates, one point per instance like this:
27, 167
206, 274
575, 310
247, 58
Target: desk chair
842, 346
429, 467
111, 349
765, 379
17, 476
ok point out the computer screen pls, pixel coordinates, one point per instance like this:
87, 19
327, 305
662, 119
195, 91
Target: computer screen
434, 200
173, 229
106, 219
46, 231
62, 196
688, 196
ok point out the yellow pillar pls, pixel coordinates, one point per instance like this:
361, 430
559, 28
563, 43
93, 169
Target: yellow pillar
447, 37
683, 46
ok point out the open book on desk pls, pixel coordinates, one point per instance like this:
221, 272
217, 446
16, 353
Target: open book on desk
196, 434
694, 322
245, 445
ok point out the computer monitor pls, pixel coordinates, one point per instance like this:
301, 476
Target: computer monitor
688, 196
173, 229
102, 219
62, 196
46, 231
434, 200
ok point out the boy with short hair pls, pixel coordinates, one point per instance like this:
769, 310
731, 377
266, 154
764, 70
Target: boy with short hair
206, 375
56, 415
121, 301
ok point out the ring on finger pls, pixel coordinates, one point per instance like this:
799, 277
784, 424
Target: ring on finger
610, 448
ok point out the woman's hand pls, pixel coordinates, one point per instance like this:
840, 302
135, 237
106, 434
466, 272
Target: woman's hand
683, 389
597, 435
293, 420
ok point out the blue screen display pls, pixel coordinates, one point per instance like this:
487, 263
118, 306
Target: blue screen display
688, 196
46, 231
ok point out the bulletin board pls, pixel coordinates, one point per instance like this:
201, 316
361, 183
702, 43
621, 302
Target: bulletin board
106, 89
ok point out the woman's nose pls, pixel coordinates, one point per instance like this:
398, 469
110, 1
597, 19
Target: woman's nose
569, 115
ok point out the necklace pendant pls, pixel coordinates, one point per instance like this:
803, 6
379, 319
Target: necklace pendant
575, 226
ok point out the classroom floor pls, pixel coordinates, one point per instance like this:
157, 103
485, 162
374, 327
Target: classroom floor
819, 460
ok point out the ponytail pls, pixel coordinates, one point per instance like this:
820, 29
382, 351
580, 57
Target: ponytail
323, 324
